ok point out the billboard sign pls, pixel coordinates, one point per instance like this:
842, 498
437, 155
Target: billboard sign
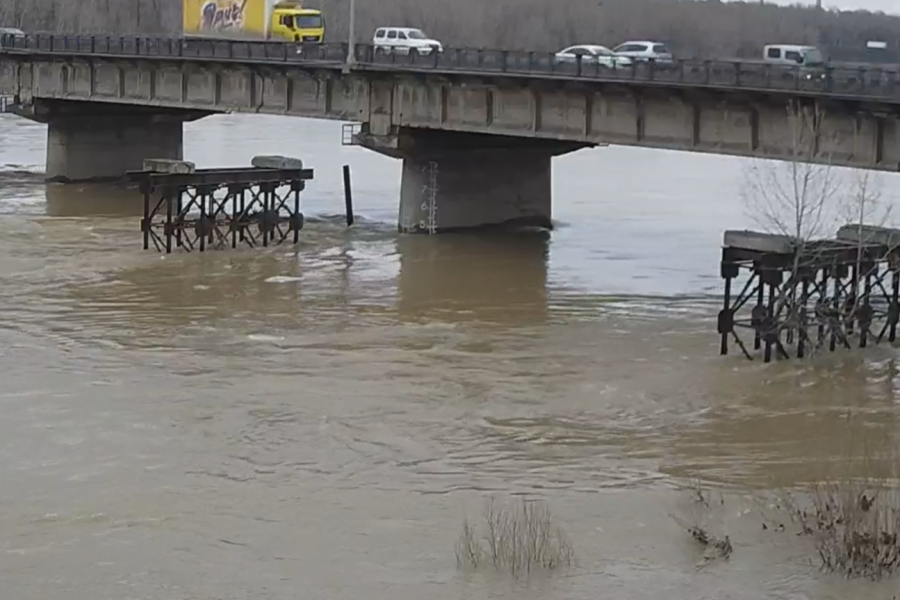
231, 16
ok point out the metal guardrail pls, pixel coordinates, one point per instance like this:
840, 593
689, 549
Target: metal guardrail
872, 82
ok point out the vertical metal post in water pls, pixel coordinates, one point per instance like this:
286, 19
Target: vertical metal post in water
168, 197
835, 311
760, 292
179, 206
348, 196
866, 308
296, 215
769, 324
823, 301
243, 212
726, 306
145, 224
202, 223
852, 300
265, 215
235, 215
801, 331
895, 295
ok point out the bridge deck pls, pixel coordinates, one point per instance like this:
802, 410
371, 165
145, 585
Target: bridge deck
742, 109
850, 82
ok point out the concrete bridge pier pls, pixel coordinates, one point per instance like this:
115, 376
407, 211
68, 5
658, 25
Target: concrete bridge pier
100, 142
104, 148
460, 181
460, 190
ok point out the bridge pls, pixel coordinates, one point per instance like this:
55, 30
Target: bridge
476, 129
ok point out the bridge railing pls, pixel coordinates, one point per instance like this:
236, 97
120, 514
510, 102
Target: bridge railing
871, 82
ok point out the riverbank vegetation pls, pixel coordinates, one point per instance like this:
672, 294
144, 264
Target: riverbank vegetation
851, 512
691, 28
848, 515
854, 523
515, 537
701, 516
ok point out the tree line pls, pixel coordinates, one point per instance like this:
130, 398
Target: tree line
93, 16
692, 28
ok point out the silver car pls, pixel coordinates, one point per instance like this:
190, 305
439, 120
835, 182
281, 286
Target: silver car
592, 54
645, 51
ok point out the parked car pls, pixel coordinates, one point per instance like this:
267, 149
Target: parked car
644, 51
403, 40
591, 54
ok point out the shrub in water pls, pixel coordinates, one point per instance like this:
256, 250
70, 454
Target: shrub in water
515, 537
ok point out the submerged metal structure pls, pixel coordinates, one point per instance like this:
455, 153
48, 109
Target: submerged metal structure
800, 297
200, 209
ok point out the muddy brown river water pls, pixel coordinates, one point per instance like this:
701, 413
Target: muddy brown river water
314, 422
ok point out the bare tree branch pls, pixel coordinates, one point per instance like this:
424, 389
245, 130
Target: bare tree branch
691, 28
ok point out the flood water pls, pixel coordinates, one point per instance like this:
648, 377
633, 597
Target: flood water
315, 421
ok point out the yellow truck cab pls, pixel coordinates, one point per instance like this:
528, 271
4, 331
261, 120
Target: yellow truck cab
290, 21
282, 20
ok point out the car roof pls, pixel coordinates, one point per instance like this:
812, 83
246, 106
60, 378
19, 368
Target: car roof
794, 46
11, 30
588, 46
643, 42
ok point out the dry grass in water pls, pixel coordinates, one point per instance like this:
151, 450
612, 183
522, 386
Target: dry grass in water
516, 537
854, 523
852, 514
702, 517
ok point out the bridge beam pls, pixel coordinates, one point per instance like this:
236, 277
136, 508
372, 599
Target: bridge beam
455, 181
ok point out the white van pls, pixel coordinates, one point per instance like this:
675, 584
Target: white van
793, 55
403, 40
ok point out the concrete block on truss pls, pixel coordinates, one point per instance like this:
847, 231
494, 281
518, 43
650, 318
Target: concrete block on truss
760, 242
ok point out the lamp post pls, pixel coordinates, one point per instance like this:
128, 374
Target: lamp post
351, 37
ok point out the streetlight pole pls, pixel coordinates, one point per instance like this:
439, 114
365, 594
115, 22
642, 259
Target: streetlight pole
351, 37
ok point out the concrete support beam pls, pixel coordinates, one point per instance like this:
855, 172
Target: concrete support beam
168, 165
89, 148
276, 162
475, 189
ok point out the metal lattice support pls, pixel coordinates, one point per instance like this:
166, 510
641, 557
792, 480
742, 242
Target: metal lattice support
429, 202
217, 208
797, 299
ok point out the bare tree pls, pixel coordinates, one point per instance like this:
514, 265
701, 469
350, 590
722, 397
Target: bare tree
691, 28
795, 197
805, 199
865, 204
